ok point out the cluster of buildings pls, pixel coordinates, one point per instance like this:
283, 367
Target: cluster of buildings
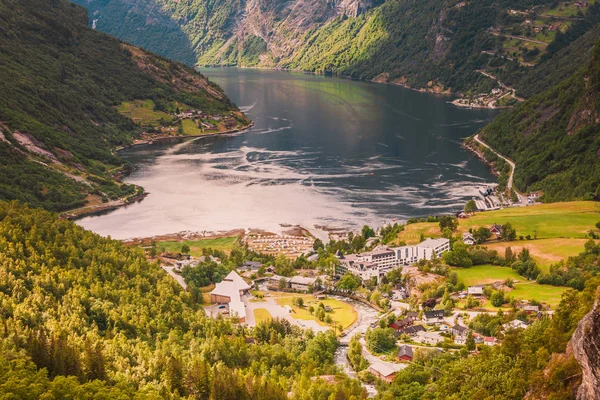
376, 263
230, 291
289, 245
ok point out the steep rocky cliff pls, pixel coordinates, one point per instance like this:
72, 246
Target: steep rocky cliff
586, 348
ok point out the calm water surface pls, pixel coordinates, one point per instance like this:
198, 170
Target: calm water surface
323, 151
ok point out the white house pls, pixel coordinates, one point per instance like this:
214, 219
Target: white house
468, 239
516, 324
428, 338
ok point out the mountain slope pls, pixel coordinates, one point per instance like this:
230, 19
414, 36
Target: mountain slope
554, 137
61, 83
85, 317
438, 45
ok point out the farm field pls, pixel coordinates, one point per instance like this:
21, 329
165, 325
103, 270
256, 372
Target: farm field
555, 220
261, 315
485, 274
534, 291
223, 244
545, 251
525, 290
142, 112
342, 313
190, 127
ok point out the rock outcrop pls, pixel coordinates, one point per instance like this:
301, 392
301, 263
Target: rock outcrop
586, 349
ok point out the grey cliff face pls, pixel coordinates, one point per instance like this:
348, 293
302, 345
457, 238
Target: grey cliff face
586, 349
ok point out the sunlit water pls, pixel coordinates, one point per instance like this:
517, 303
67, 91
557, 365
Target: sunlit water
323, 151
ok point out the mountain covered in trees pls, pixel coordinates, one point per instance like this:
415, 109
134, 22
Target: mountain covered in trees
61, 83
554, 137
439, 45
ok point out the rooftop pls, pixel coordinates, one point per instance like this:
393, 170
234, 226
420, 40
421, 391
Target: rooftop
432, 243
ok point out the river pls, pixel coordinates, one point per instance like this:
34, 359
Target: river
323, 152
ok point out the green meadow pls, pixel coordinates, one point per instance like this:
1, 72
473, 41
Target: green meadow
223, 244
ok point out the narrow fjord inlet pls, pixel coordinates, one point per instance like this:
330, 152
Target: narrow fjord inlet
323, 152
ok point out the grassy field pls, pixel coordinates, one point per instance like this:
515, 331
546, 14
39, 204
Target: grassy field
190, 127
142, 112
561, 229
342, 313
485, 274
555, 220
545, 251
544, 293
412, 233
224, 244
261, 314
525, 290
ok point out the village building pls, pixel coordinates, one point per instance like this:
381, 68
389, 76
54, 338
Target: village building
461, 340
475, 291
530, 309
401, 324
405, 353
229, 291
431, 338
376, 263
412, 315
496, 230
384, 371
478, 338
468, 239
490, 341
277, 282
516, 324
411, 330
433, 317
251, 265
301, 283
459, 330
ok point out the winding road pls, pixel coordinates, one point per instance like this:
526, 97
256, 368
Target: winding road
510, 184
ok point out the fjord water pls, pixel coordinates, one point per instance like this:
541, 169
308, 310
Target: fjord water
323, 152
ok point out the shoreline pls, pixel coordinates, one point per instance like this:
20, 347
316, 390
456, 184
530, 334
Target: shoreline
182, 137
467, 146
446, 93
441, 93
90, 210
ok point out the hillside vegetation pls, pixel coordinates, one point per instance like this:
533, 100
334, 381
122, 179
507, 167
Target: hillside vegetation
438, 45
83, 316
554, 137
61, 85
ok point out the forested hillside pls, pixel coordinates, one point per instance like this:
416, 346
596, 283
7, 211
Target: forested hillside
61, 83
439, 45
554, 137
82, 316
